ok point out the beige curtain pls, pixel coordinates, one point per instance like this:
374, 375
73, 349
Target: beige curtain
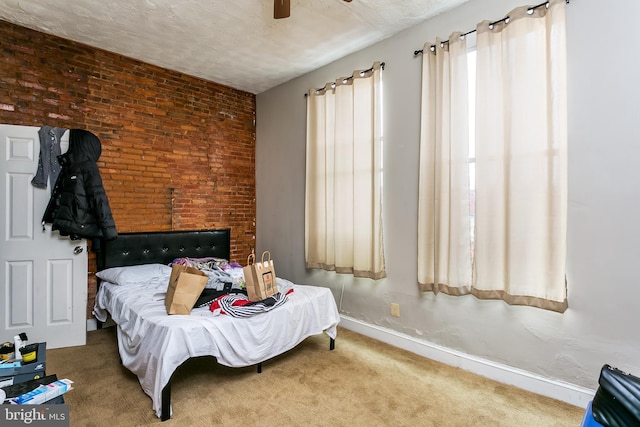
343, 199
444, 234
521, 158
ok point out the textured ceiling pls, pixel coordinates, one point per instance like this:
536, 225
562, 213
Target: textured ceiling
233, 42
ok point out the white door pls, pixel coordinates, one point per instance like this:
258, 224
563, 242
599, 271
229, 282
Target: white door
43, 276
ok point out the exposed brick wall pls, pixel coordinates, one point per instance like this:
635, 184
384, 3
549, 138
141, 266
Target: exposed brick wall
178, 152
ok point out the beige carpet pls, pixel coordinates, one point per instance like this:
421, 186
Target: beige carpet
361, 383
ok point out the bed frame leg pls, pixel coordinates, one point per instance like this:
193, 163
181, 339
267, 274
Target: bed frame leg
260, 367
332, 344
166, 402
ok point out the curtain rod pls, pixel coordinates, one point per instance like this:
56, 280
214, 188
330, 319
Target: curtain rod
505, 19
346, 79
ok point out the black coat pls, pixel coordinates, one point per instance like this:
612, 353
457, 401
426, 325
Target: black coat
79, 207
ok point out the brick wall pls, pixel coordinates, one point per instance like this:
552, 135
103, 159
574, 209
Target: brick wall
178, 152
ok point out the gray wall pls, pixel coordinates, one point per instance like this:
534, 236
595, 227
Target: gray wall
601, 324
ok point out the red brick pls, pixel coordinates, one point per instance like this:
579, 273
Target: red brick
178, 151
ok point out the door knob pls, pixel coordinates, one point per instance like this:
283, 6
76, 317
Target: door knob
77, 250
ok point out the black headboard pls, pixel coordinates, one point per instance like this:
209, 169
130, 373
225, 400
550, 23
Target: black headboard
163, 247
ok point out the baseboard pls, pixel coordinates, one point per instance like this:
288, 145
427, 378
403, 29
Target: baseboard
565, 392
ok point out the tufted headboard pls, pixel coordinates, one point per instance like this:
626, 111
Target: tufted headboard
163, 247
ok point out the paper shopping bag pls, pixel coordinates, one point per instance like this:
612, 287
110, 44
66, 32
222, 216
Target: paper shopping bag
185, 286
260, 278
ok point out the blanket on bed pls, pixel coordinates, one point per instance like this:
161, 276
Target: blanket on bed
153, 344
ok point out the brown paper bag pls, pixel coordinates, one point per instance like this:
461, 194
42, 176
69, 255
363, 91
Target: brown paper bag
260, 278
185, 286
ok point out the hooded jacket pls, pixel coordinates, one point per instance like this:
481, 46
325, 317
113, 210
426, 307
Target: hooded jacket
79, 207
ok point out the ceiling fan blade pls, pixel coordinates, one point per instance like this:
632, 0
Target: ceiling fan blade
281, 9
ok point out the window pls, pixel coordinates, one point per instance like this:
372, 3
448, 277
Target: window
343, 200
493, 186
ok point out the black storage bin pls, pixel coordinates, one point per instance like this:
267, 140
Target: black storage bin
617, 400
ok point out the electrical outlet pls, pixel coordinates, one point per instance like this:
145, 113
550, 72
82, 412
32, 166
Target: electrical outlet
395, 309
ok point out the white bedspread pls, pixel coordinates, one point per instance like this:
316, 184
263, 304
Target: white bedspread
153, 344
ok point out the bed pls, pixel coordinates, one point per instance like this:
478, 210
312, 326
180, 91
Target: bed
153, 344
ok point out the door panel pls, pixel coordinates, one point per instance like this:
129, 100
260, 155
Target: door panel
20, 284
20, 207
43, 277
59, 280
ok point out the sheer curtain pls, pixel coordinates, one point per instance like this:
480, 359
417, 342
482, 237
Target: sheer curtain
521, 158
444, 234
343, 199
519, 207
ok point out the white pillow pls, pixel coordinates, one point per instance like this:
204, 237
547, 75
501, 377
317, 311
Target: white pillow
134, 274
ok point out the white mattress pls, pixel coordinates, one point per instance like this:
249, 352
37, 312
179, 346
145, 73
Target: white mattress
153, 344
